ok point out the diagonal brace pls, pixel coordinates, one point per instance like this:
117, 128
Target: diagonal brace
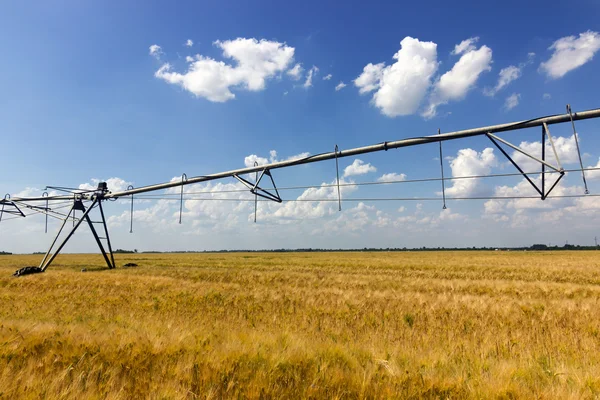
542, 193
257, 190
12, 209
520, 150
78, 205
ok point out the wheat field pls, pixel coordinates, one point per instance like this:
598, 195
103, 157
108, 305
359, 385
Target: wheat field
303, 325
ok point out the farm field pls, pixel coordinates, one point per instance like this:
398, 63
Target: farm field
303, 325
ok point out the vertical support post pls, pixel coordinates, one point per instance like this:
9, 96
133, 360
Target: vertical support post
578, 151
184, 176
131, 213
442, 168
543, 159
337, 173
255, 194
112, 257
45, 194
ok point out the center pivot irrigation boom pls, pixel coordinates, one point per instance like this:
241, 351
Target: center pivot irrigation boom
85, 201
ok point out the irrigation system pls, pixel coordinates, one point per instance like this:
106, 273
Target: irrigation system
84, 201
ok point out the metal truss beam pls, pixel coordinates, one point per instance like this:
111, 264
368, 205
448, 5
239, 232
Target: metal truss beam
257, 190
545, 133
10, 207
78, 205
415, 141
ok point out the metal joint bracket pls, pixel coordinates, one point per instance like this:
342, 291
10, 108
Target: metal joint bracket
9, 207
545, 132
257, 190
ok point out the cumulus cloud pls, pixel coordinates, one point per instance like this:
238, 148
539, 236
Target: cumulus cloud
155, 51
253, 158
469, 162
391, 177
273, 158
255, 62
592, 175
512, 101
370, 79
327, 77
340, 86
454, 84
113, 184
189, 43
313, 203
400, 87
508, 75
569, 53
296, 72
358, 167
465, 46
566, 148
309, 77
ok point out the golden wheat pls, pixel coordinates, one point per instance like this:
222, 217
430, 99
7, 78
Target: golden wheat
303, 325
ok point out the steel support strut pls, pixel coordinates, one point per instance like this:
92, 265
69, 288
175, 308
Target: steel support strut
545, 133
257, 190
78, 205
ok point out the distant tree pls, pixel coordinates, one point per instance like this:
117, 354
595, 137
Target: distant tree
539, 247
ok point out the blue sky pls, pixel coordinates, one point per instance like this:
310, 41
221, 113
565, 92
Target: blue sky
83, 98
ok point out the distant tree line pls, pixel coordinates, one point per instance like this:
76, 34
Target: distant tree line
535, 247
374, 249
121, 251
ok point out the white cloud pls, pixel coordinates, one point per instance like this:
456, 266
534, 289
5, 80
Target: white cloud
305, 209
592, 175
455, 84
400, 87
469, 162
566, 148
189, 43
256, 61
570, 53
296, 72
506, 76
155, 51
391, 177
547, 96
340, 86
512, 101
370, 79
465, 46
249, 160
358, 167
309, 77
327, 77
113, 184
252, 158
273, 156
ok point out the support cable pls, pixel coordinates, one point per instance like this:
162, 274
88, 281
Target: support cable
442, 169
131, 212
578, 151
337, 174
183, 179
